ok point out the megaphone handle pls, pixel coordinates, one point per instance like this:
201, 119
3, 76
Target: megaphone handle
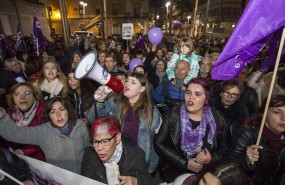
107, 90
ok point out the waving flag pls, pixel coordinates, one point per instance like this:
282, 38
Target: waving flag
2, 57
140, 43
273, 47
20, 44
260, 19
6, 47
38, 34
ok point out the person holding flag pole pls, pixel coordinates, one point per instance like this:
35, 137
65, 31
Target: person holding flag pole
265, 159
259, 147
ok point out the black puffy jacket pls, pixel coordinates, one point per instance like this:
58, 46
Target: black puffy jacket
167, 141
269, 169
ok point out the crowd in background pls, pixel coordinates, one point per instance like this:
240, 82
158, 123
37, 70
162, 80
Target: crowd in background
171, 113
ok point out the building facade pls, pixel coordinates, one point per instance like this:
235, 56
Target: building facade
222, 16
91, 16
18, 11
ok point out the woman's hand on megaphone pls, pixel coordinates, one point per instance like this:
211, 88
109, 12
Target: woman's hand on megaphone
101, 93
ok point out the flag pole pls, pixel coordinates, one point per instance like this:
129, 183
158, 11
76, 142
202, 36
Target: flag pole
38, 47
11, 177
271, 86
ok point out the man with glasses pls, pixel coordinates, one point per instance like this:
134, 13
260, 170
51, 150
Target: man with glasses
110, 64
111, 159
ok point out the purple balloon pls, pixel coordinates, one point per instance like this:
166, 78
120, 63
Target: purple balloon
134, 63
155, 35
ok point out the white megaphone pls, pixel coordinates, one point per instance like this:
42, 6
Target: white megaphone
89, 67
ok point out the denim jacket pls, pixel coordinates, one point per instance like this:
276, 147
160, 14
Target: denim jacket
145, 139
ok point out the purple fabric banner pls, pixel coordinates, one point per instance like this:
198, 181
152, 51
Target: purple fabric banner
260, 19
2, 57
7, 47
141, 43
273, 48
33, 41
38, 34
20, 44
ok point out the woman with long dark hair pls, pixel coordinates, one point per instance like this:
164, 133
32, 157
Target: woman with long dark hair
264, 163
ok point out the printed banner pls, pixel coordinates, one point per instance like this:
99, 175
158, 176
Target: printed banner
47, 174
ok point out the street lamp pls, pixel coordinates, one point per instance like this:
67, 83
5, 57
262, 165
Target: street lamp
83, 4
167, 5
188, 17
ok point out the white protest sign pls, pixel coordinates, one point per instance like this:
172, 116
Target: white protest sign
127, 31
47, 174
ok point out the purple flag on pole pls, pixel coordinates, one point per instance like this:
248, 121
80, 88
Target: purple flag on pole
140, 43
260, 19
2, 57
20, 44
33, 41
7, 47
38, 34
273, 47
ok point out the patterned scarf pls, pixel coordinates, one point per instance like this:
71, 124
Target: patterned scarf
53, 88
191, 139
24, 119
112, 168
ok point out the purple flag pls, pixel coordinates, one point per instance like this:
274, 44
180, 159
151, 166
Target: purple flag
20, 44
38, 34
7, 47
141, 43
2, 57
273, 47
33, 41
260, 19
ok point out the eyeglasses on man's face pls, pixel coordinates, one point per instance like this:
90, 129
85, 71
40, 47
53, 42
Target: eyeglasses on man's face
103, 142
232, 95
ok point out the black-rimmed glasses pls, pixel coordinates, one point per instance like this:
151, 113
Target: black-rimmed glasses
232, 95
103, 142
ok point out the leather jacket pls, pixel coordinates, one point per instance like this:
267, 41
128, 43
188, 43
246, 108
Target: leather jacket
269, 169
167, 141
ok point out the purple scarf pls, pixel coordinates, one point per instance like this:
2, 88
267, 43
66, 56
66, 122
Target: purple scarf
191, 139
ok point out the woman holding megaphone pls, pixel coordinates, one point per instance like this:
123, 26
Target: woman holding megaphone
138, 116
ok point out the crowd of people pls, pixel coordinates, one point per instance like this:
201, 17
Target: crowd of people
171, 122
